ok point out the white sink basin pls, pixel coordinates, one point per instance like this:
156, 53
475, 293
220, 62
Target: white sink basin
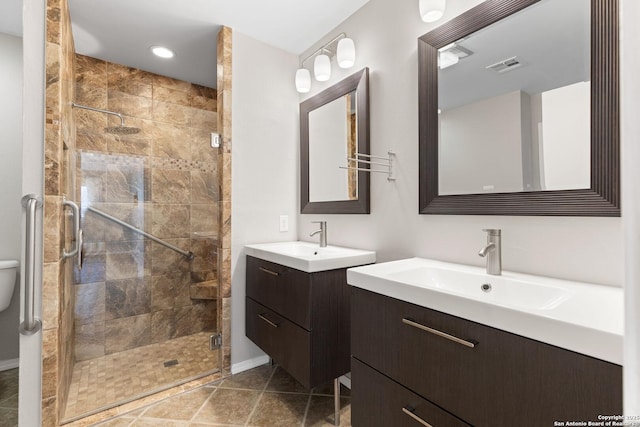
310, 257
582, 317
503, 290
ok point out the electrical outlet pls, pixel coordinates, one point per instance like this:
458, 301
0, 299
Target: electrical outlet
284, 223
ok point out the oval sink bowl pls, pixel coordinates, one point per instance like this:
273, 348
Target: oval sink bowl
582, 317
310, 257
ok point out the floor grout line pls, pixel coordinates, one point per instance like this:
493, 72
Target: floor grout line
195, 414
266, 384
306, 410
255, 406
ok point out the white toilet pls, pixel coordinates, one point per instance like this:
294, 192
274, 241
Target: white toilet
8, 271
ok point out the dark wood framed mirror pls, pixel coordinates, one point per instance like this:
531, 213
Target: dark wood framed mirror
334, 126
600, 195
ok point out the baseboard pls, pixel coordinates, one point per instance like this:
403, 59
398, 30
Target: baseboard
5, 365
245, 365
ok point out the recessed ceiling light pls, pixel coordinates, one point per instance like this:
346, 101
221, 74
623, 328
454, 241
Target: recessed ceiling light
162, 52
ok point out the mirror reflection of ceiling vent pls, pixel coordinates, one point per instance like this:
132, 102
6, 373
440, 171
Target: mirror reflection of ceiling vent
505, 65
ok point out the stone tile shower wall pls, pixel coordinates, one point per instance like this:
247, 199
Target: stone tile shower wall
59, 148
224, 86
131, 291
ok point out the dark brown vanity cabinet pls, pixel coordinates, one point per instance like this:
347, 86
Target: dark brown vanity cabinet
300, 319
410, 361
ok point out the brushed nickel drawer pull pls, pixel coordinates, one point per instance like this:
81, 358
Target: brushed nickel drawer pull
273, 273
263, 317
415, 417
438, 333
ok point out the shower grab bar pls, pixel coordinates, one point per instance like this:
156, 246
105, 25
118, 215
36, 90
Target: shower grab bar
187, 254
31, 325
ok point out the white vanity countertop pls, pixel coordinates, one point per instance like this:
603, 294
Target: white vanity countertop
310, 257
582, 317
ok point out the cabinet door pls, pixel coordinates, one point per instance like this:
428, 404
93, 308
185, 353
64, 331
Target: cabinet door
288, 344
378, 401
285, 290
504, 380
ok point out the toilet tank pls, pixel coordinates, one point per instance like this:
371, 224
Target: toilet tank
8, 271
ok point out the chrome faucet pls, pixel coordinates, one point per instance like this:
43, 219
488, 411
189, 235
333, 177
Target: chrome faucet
493, 252
322, 231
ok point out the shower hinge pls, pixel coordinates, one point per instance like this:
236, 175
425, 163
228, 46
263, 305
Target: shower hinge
215, 341
215, 140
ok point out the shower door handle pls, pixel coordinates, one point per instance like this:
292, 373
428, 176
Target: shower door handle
77, 233
30, 325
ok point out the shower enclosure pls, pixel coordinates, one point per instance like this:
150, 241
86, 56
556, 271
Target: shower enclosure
145, 293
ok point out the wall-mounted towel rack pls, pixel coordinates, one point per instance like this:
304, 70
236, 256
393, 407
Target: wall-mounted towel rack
386, 162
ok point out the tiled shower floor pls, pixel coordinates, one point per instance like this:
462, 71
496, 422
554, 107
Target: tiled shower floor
110, 380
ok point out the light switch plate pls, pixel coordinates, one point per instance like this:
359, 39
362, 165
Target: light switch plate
284, 223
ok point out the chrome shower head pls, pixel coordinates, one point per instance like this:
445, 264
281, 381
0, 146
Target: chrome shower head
116, 130
122, 130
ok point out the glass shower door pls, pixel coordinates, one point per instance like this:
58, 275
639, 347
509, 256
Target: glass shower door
146, 296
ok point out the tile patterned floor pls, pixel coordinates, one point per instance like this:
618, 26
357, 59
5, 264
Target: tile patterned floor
104, 382
262, 397
9, 398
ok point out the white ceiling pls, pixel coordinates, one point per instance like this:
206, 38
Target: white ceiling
551, 39
122, 31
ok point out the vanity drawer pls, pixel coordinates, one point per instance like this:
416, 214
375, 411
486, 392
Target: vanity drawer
282, 289
378, 401
504, 379
288, 344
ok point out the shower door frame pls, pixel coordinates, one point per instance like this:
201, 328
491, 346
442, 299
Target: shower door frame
30, 373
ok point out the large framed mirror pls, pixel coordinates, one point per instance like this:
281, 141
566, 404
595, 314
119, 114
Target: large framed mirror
519, 110
334, 127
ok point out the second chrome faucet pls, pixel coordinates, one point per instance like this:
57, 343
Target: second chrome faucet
322, 232
493, 251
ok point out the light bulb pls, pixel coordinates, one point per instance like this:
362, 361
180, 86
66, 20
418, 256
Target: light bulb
303, 80
346, 53
322, 68
162, 52
432, 10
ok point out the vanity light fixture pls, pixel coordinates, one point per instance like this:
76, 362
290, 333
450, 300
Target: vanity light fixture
341, 46
303, 80
432, 10
162, 52
346, 54
322, 67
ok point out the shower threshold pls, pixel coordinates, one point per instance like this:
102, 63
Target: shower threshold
119, 378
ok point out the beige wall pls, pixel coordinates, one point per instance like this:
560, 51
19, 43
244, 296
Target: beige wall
566, 136
481, 146
265, 165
